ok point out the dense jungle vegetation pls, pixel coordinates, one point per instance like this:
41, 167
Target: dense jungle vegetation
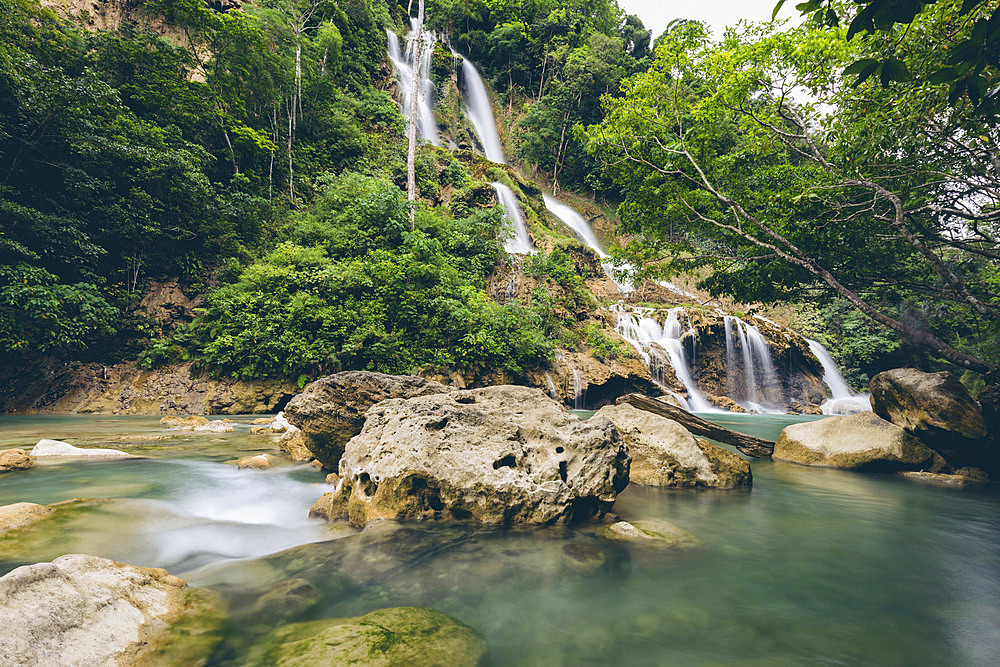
259, 155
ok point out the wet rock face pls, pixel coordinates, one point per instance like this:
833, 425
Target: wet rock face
500, 455
936, 408
863, 441
395, 636
331, 410
665, 454
85, 610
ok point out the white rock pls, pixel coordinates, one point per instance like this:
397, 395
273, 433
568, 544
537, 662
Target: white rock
216, 426
280, 424
46, 447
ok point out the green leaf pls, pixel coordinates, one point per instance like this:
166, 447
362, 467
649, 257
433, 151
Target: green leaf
943, 75
777, 8
863, 68
895, 70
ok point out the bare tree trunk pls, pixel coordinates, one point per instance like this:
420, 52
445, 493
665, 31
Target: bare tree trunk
411, 155
748, 444
291, 172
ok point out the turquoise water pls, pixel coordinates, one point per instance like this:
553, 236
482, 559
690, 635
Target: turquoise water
811, 566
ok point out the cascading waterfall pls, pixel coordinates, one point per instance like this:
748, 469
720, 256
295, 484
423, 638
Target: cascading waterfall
416, 61
751, 378
653, 341
579, 390
520, 243
553, 392
575, 221
843, 400
480, 111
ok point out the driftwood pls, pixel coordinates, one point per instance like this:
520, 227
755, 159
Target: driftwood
748, 444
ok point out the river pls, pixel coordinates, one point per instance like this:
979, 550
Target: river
812, 565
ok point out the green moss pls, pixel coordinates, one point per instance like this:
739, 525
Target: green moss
394, 636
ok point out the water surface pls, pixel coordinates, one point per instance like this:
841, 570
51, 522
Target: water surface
812, 565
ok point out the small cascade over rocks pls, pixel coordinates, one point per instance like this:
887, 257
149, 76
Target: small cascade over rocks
520, 243
843, 400
579, 390
416, 61
751, 377
658, 343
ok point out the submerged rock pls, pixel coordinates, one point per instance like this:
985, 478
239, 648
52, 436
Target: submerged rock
15, 459
499, 455
45, 448
959, 479
651, 532
665, 454
22, 515
331, 410
85, 610
859, 441
186, 422
394, 636
936, 408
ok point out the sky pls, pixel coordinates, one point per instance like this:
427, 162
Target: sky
656, 14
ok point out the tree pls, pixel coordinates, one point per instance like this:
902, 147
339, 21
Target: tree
877, 198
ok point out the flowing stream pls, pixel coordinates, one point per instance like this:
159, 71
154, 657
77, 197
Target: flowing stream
480, 111
751, 378
812, 566
843, 400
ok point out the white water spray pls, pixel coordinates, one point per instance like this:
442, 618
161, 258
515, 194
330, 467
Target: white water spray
416, 61
579, 390
751, 378
652, 341
520, 243
843, 400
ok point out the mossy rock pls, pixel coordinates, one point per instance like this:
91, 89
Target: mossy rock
396, 636
650, 533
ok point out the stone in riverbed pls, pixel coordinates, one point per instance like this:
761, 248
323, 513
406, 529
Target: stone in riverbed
257, 462
499, 455
958, 480
651, 533
15, 459
863, 441
331, 410
665, 454
22, 515
54, 448
394, 636
85, 610
936, 408
292, 443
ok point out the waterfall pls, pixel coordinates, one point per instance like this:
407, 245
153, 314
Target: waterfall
579, 390
657, 343
751, 378
416, 61
843, 400
553, 392
520, 243
585, 232
480, 112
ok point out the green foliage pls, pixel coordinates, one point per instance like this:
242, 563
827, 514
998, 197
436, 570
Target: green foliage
37, 312
357, 289
603, 347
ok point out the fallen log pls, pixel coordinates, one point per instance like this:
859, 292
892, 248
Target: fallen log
748, 444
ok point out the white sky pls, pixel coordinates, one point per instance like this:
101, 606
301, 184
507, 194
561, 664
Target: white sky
656, 14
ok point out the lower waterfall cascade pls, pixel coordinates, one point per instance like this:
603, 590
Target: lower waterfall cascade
843, 400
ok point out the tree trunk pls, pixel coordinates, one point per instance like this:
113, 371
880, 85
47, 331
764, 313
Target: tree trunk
748, 444
411, 156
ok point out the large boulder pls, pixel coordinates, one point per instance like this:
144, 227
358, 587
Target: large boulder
936, 408
15, 459
862, 441
665, 454
85, 610
499, 455
331, 410
395, 636
22, 515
